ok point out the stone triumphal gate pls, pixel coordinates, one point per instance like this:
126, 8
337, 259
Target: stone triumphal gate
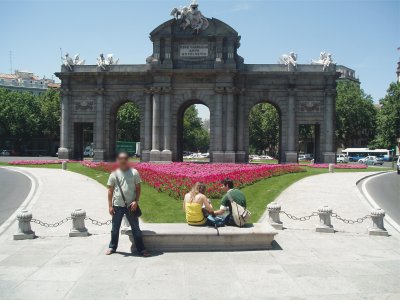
195, 60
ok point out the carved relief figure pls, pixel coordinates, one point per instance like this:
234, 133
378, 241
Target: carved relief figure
191, 16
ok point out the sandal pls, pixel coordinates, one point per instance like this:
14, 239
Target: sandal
145, 253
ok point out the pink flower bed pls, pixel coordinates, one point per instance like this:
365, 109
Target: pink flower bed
337, 166
38, 162
176, 179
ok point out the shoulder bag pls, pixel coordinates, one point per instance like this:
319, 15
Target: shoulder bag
240, 214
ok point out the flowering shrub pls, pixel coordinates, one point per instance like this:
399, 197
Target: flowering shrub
38, 162
337, 166
176, 179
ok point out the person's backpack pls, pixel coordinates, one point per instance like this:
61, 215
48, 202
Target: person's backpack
240, 214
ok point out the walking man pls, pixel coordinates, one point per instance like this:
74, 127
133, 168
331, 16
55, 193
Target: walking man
123, 199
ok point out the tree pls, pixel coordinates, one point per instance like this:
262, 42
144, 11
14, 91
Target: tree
19, 116
128, 122
388, 118
50, 113
355, 114
264, 129
195, 136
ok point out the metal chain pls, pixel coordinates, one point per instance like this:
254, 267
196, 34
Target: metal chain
348, 221
56, 224
305, 218
98, 223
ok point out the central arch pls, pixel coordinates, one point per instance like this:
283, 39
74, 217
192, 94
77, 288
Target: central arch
180, 127
113, 128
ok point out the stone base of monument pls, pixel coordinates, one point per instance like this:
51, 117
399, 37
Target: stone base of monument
230, 157
329, 157
155, 155
291, 157
218, 156
145, 156
166, 155
99, 155
64, 153
183, 237
241, 157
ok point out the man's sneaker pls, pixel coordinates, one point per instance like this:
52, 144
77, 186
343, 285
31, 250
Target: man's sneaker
110, 251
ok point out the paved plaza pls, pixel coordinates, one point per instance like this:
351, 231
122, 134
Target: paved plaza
304, 264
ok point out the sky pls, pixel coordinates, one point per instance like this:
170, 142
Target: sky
361, 34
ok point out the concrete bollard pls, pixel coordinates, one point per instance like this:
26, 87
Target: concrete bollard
274, 209
78, 223
378, 227
125, 225
331, 168
64, 165
24, 226
325, 225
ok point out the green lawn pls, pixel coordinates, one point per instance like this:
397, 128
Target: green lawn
161, 208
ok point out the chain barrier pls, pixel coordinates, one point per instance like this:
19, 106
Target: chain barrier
56, 224
305, 218
98, 223
63, 221
348, 221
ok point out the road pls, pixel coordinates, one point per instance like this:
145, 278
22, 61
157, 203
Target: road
14, 188
385, 190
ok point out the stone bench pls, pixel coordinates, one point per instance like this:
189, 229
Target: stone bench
182, 237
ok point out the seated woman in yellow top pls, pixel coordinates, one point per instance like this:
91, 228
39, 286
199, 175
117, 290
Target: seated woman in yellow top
193, 204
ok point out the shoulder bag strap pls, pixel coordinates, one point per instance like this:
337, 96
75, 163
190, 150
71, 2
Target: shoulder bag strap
120, 189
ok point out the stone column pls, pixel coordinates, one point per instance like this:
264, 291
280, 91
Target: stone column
147, 127
240, 153
98, 150
377, 228
155, 154
166, 154
329, 155
218, 154
64, 152
291, 153
230, 127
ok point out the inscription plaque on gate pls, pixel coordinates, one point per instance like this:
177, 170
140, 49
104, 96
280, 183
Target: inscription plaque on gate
193, 50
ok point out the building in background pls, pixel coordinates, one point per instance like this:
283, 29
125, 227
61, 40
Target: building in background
347, 73
22, 81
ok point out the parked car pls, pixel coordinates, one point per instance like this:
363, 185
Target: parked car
372, 160
5, 152
341, 158
302, 157
398, 165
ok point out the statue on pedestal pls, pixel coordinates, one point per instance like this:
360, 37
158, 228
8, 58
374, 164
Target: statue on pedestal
190, 16
289, 60
325, 59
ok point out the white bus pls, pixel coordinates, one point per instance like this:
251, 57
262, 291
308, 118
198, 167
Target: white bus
355, 154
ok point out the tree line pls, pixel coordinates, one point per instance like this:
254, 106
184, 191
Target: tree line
24, 116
